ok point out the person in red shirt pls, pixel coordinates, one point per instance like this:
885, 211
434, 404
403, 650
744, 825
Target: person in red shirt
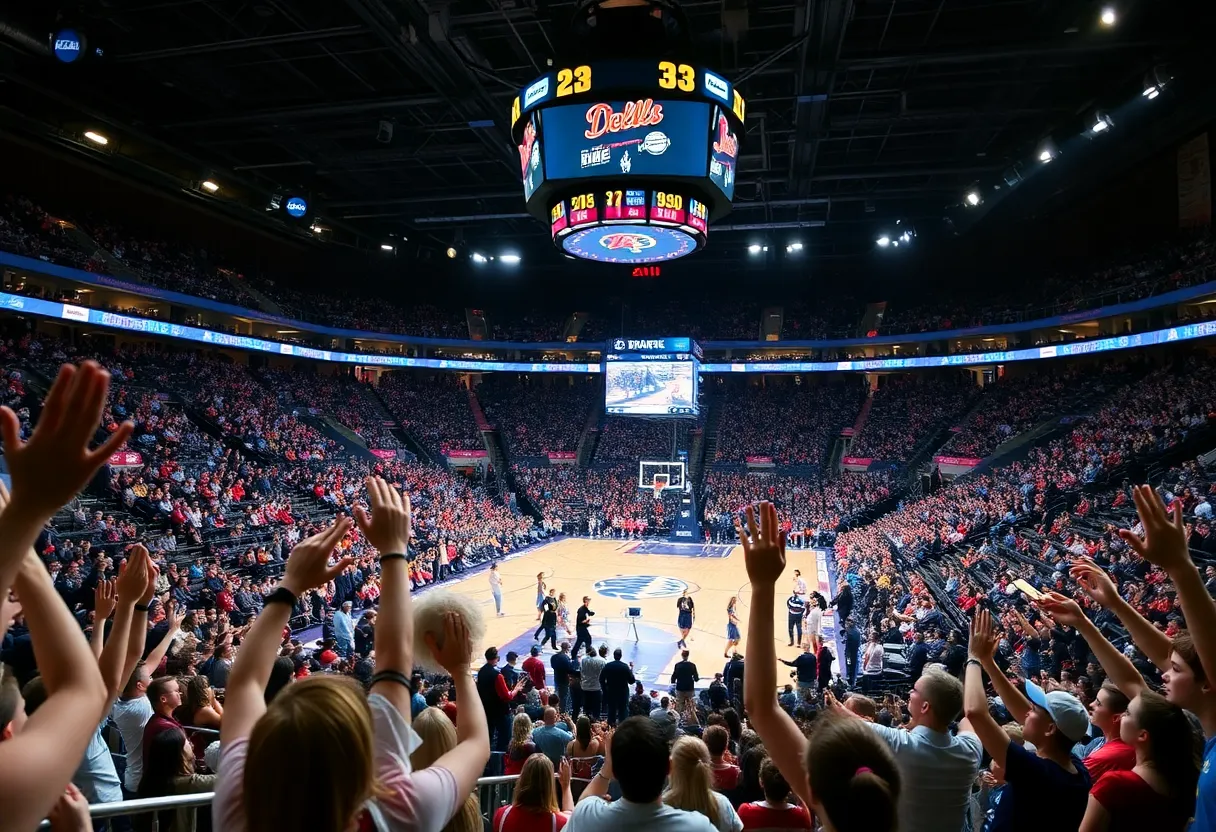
534, 807
1159, 792
726, 775
1106, 712
775, 811
535, 668
166, 696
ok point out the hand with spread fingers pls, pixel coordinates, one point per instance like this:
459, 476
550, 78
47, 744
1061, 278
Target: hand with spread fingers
55, 462
763, 543
984, 637
388, 526
308, 564
1064, 610
1164, 542
133, 575
105, 598
1094, 580
453, 651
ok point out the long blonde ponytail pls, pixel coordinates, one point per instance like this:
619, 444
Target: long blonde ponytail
691, 784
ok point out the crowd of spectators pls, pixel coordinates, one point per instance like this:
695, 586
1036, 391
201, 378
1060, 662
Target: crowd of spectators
907, 411
535, 415
434, 410
601, 502
628, 437
349, 401
792, 424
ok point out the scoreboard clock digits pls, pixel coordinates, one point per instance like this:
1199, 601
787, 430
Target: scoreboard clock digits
667, 207
573, 81
582, 209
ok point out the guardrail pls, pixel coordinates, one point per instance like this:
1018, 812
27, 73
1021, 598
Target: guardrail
492, 792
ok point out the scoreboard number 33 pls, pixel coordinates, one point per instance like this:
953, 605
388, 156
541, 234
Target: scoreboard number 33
573, 81
677, 76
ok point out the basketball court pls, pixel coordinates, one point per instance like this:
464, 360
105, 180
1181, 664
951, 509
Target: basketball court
649, 575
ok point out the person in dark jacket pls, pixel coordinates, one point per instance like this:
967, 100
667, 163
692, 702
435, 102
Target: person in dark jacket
852, 646
918, 655
825, 660
808, 671
615, 679
843, 602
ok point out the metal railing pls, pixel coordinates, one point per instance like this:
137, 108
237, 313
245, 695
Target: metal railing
492, 792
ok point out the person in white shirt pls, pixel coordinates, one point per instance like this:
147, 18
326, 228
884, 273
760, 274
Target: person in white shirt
799, 584
937, 768
641, 765
871, 664
496, 588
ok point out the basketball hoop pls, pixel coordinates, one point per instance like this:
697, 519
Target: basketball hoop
660, 482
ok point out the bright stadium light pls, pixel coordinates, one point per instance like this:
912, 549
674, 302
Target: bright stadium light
209, 186
883, 241
478, 257
1151, 91
386, 247
510, 259
451, 253
96, 138
973, 198
754, 248
795, 246
1102, 123
1108, 17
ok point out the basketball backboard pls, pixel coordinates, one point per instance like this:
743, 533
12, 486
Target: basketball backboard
674, 471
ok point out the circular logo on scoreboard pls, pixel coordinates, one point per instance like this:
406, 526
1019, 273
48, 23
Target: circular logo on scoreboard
619, 345
68, 45
296, 207
655, 143
629, 244
640, 587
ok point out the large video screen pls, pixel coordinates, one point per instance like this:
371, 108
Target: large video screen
631, 138
651, 388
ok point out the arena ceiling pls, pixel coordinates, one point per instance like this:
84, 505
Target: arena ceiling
859, 111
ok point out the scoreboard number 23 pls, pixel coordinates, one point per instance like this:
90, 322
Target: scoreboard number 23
573, 81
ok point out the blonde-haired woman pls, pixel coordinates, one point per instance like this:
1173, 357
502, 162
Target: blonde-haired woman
357, 748
521, 746
690, 786
438, 738
534, 807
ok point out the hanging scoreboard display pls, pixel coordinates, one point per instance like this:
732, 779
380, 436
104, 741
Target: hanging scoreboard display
629, 160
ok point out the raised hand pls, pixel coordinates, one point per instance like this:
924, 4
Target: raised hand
1064, 610
70, 812
388, 526
1094, 580
452, 649
308, 564
105, 598
564, 773
984, 637
763, 544
56, 462
133, 575
1164, 542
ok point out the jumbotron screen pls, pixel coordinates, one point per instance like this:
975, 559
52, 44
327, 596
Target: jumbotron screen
651, 377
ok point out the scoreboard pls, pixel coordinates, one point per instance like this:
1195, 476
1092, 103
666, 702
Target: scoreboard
629, 160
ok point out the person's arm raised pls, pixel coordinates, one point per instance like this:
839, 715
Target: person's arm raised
307, 567
175, 616
764, 555
387, 528
1099, 586
454, 653
1165, 545
105, 598
976, 718
1119, 668
51, 467
133, 577
598, 787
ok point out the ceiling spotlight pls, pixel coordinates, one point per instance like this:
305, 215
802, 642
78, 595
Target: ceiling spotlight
1108, 16
1047, 152
96, 138
883, 241
209, 186
1102, 123
478, 257
1155, 81
451, 253
510, 259
973, 198
795, 246
1151, 91
754, 248
386, 247
906, 237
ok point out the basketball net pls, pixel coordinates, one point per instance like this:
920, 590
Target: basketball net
660, 482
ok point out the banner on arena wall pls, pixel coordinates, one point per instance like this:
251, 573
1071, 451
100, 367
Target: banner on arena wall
561, 456
857, 463
847, 431
465, 454
954, 466
1194, 183
760, 462
126, 459
384, 453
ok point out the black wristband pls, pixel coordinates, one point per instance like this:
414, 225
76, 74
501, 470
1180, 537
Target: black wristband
393, 556
391, 676
975, 662
281, 595
141, 608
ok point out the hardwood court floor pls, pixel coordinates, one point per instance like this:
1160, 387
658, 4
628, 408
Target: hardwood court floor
575, 565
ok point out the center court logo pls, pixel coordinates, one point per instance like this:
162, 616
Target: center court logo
640, 587
636, 243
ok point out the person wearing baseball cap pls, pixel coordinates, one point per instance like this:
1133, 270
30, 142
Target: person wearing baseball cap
1048, 788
